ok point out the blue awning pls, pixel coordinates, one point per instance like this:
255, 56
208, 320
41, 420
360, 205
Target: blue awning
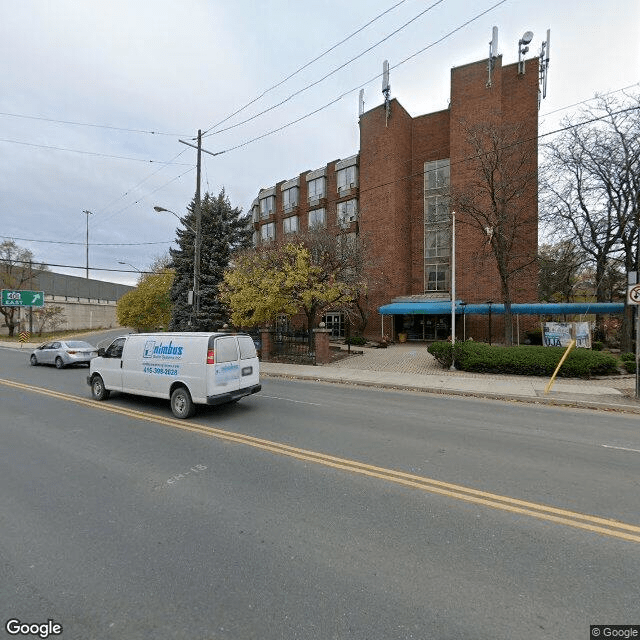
439, 307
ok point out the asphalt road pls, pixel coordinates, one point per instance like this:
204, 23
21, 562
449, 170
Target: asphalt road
312, 511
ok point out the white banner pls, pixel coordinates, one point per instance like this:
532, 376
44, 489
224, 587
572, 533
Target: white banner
558, 334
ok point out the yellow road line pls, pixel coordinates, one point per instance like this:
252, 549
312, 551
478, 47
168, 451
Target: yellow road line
574, 519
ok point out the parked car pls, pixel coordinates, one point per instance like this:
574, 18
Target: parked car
62, 353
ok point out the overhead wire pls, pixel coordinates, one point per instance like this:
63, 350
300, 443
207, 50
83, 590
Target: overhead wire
342, 95
303, 67
331, 73
383, 184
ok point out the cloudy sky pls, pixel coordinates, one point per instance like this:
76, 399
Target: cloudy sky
96, 95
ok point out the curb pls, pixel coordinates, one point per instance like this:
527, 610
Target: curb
633, 409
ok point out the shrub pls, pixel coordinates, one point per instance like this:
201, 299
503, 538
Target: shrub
523, 360
442, 352
356, 340
597, 345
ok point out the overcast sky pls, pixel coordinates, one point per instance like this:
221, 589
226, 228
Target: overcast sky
95, 96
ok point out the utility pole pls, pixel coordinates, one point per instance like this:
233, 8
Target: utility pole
87, 242
198, 214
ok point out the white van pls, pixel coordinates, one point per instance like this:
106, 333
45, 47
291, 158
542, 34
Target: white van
185, 368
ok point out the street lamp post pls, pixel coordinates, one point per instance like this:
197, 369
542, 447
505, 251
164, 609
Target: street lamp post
195, 301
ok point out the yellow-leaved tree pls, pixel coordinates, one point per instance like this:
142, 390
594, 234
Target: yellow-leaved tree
148, 306
273, 279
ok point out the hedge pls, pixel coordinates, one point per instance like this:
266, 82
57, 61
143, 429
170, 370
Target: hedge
523, 360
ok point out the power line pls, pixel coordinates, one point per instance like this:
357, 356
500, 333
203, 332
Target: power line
87, 124
88, 153
328, 75
304, 66
91, 244
337, 99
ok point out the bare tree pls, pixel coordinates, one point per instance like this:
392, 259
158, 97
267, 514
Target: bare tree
16, 272
560, 267
591, 187
499, 200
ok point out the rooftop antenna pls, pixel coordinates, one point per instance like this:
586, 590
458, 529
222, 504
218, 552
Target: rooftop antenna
523, 48
493, 53
544, 67
361, 104
386, 90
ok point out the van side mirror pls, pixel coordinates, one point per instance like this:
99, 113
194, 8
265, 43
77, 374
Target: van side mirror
101, 352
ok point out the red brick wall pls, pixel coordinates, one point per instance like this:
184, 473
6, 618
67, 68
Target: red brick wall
391, 190
385, 203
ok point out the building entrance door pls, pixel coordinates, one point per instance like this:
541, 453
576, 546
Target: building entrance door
335, 322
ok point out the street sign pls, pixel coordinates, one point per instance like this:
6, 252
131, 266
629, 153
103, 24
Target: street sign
22, 298
633, 294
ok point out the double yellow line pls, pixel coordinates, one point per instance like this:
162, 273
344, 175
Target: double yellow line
591, 523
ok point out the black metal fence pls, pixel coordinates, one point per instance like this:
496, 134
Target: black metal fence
294, 347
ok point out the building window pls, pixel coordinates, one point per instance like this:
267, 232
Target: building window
290, 225
290, 198
347, 178
437, 226
317, 218
347, 212
267, 206
438, 276
436, 175
316, 188
268, 232
437, 243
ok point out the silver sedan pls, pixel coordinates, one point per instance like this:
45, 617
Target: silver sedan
63, 352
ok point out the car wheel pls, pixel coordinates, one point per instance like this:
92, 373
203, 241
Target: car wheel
59, 363
98, 390
181, 403
33, 360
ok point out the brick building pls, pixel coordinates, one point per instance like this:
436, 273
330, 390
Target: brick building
397, 195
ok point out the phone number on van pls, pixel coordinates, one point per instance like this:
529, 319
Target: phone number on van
161, 371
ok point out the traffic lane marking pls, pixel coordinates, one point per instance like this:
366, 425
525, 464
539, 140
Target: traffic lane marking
315, 404
595, 524
608, 446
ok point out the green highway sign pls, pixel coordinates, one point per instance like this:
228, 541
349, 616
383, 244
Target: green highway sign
22, 298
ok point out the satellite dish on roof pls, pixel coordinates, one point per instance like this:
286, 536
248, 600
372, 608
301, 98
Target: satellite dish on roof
527, 37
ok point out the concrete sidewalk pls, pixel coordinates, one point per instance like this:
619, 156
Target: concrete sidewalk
412, 367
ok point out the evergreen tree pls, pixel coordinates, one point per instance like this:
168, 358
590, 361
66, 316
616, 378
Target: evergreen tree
223, 230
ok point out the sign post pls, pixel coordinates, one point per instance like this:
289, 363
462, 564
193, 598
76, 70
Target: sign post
22, 298
633, 298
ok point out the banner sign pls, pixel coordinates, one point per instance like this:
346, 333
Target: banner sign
558, 334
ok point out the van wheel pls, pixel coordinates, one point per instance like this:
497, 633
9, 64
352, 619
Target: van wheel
98, 390
181, 403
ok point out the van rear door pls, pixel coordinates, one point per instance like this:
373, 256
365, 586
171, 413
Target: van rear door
223, 370
249, 363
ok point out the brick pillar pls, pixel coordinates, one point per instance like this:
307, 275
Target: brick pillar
322, 345
265, 336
